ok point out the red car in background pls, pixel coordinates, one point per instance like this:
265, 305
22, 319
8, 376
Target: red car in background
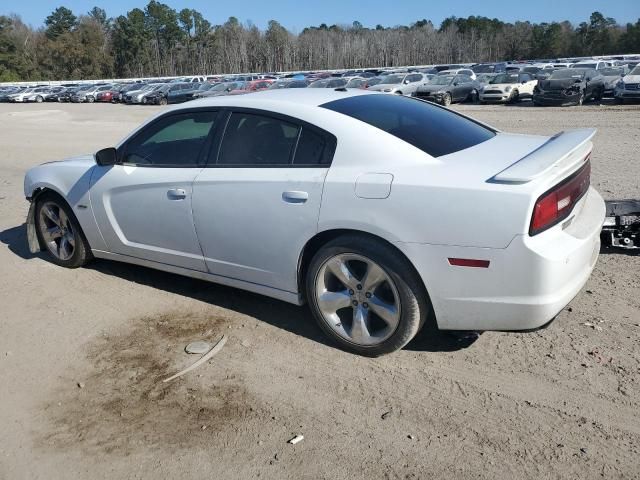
106, 96
252, 86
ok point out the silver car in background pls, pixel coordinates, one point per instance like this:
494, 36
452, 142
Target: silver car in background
400, 83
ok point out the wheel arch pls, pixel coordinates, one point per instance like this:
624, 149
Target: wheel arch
315, 243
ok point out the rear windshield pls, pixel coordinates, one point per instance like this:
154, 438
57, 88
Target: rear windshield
434, 130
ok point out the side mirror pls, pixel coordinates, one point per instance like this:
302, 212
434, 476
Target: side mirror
455, 84
106, 157
406, 82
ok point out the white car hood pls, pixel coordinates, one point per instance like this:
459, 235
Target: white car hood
631, 79
78, 161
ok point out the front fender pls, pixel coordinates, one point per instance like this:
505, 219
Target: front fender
71, 180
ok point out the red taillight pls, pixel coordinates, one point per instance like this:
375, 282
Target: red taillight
556, 204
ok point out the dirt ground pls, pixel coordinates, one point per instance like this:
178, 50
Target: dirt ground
82, 353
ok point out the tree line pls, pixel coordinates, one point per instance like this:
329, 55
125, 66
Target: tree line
160, 41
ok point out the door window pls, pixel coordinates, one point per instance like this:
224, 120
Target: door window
174, 140
252, 139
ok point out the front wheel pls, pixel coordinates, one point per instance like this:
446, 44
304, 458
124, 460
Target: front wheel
473, 96
581, 98
365, 295
59, 232
39, 99
91, 99
446, 100
514, 97
163, 101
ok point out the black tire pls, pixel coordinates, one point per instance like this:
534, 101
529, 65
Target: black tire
618, 101
81, 252
415, 306
163, 101
446, 100
597, 96
39, 99
514, 97
90, 99
581, 98
398, 92
473, 96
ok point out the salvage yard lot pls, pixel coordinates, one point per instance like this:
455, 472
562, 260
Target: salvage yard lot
83, 352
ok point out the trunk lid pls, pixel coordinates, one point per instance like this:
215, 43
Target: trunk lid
559, 156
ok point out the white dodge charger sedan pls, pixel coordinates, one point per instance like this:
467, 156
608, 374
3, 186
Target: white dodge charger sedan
384, 213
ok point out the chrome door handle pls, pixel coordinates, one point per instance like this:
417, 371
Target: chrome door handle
176, 194
295, 196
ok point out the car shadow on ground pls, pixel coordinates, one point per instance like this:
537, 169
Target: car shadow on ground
294, 319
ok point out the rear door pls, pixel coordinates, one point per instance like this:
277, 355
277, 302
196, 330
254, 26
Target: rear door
463, 88
258, 201
143, 204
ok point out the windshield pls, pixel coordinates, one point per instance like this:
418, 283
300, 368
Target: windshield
611, 72
355, 83
319, 84
484, 68
392, 79
205, 86
635, 71
505, 78
441, 80
568, 73
586, 65
531, 69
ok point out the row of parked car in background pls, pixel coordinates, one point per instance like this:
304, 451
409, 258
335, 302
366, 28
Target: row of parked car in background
544, 83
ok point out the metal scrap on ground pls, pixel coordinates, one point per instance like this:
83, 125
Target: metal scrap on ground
215, 349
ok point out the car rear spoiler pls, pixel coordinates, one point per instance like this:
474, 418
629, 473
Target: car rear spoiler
560, 153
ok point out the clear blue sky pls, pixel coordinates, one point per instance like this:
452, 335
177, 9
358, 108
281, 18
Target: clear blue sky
297, 14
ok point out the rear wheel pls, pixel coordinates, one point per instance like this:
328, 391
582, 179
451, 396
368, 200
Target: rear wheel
365, 296
59, 232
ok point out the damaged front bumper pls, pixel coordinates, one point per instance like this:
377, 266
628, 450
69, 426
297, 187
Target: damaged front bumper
32, 235
621, 227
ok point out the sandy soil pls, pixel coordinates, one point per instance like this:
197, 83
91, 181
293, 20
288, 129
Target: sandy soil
82, 353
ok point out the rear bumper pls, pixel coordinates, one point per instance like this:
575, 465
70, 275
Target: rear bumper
556, 100
526, 285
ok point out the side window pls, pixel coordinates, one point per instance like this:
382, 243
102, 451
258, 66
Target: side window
251, 139
313, 148
414, 78
175, 140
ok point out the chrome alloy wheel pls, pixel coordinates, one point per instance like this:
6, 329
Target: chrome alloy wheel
57, 231
358, 300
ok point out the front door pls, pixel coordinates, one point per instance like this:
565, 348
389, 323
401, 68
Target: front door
143, 203
258, 205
